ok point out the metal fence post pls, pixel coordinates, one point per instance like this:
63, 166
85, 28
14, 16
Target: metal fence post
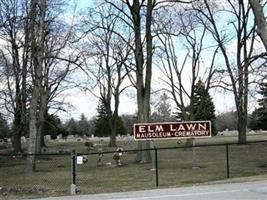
156, 166
73, 173
227, 161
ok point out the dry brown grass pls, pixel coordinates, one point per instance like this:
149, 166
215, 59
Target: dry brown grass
53, 175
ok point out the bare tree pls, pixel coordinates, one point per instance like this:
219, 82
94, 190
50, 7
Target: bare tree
57, 63
162, 109
18, 56
139, 16
238, 67
110, 54
14, 36
179, 80
260, 20
43, 55
135, 14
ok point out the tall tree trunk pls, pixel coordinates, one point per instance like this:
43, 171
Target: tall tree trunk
113, 129
112, 141
116, 107
143, 156
42, 138
144, 88
18, 127
260, 20
41, 120
25, 64
37, 51
32, 143
143, 116
16, 137
16, 142
40, 132
242, 126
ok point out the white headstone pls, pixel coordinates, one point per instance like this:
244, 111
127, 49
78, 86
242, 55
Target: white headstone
47, 137
71, 138
23, 139
59, 137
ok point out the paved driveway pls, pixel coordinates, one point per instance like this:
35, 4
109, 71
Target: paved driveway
246, 191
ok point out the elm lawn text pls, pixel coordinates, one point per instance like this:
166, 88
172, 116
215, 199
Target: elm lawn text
172, 130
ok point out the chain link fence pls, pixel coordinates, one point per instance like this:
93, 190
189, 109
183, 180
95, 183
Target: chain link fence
51, 176
170, 167
111, 171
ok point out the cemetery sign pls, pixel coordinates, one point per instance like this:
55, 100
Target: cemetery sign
172, 130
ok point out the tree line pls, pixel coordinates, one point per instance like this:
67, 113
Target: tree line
162, 112
48, 47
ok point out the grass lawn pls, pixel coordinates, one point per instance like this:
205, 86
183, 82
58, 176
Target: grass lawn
53, 173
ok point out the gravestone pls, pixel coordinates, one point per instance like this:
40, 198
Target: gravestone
59, 137
70, 138
118, 155
47, 138
23, 139
99, 162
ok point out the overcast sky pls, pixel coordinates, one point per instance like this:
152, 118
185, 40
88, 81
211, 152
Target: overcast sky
86, 103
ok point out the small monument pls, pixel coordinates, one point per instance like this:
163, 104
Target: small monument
100, 159
23, 139
47, 138
117, 156
71, 138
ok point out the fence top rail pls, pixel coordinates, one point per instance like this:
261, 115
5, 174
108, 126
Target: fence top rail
132, 150
35, 154
170, 148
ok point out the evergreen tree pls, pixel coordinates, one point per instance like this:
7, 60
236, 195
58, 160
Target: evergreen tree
129, 120
262, 110
120, 127
84, 126
101, 122
101, 128
72, 127
260, 114
253, 121
4, 130
203, 106
54, 127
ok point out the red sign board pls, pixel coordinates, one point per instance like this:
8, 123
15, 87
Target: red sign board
172, 130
